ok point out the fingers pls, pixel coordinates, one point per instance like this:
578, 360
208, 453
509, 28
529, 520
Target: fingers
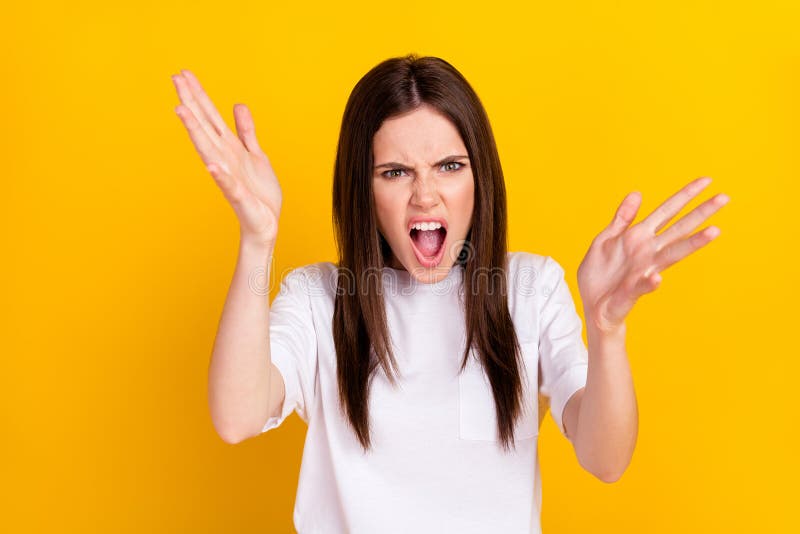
625, 214
647, 283
678, 250
246, 128
188, 100
619, 303
208, 151
650, 279
674, 204
691, 220
206, 107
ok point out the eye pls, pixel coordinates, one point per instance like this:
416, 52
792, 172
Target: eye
390, 173
460, 165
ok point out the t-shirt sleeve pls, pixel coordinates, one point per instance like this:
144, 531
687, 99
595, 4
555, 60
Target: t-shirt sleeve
293, 346
563, 355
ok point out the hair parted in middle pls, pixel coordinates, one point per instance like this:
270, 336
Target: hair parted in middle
361, 337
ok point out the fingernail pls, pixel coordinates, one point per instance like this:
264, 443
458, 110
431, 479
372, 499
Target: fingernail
704, 181
722, 199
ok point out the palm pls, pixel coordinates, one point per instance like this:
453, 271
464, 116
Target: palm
623, 263
239, 166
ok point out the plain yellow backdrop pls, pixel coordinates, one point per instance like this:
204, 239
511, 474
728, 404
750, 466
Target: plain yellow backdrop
118, 248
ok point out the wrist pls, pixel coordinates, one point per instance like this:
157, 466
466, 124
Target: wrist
260, 247
602, 329
605, 344
260, 242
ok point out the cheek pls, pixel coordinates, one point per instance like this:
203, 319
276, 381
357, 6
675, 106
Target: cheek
465, 198
387, 208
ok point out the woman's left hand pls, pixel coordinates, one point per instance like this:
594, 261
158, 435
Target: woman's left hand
623, 262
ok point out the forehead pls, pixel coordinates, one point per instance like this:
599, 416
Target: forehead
422, 134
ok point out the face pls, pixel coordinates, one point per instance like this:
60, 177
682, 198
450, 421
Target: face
422, 174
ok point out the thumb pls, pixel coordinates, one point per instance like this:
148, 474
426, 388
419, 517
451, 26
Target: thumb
245, 206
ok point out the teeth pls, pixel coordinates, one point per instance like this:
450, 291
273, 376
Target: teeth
426, 226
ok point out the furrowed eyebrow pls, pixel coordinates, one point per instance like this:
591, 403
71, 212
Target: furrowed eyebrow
396, 165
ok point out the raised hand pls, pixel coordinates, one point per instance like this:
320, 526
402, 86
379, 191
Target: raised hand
623, 262
238, 165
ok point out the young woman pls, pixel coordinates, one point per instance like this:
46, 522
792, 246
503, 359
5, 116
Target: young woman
425, 358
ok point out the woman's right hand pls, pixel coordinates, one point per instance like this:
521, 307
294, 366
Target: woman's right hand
239, 166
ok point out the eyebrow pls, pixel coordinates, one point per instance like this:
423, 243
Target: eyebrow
396, 165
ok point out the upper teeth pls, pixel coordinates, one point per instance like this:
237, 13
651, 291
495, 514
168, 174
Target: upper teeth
426, 226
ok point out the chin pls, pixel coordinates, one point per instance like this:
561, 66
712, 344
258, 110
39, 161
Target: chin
430, 274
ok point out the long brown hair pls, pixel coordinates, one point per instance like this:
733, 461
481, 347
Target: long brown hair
360, 332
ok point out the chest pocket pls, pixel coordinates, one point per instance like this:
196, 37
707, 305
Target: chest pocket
477, 419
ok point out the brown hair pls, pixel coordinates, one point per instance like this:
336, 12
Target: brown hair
360, 333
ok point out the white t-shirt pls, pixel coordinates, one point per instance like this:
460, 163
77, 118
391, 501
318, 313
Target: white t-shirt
435, 464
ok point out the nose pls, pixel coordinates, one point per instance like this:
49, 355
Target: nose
424, 193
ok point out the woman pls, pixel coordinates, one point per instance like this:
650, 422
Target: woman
413, 358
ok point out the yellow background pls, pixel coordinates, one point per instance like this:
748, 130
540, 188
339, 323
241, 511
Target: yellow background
118, 248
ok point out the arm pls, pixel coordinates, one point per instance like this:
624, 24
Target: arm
244, 387
624, 263
602, 419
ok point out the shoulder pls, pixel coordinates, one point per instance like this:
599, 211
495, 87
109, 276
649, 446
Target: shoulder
528, 268
315, 273
314, 279
532, 278
311, 272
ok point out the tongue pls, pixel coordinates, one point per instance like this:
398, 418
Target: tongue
428, 241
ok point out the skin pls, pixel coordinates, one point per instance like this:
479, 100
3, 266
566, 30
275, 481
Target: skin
622, 264
421, 186
235, 160
244, 387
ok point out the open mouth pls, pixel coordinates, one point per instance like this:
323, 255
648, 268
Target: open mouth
428, 245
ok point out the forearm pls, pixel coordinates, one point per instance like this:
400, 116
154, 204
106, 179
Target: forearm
239, 371
608, 418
